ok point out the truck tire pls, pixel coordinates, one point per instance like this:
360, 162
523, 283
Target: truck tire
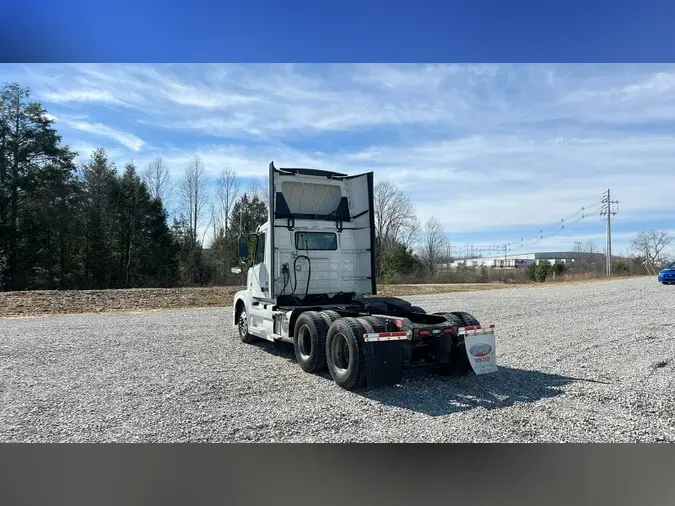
309, 341
242, 327
345, 353
466, 318
372, 323
459, 362
452, 318
331, 315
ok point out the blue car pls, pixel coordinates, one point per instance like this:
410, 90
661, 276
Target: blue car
667, 275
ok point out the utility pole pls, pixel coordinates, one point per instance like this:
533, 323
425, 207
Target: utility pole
505, 246
606, 210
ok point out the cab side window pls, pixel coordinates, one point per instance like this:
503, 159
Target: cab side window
260, 250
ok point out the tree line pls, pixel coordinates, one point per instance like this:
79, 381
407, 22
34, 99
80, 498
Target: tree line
69, 225
66, 224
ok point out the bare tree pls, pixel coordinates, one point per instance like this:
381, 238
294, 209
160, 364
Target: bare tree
395, 218
227, 191
215, 220
193, 194
650, 245
591, 247
156, 176
258, 186
434, 243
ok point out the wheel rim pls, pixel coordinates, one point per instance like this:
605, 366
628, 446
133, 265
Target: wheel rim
304, 342
340, 353
243, 326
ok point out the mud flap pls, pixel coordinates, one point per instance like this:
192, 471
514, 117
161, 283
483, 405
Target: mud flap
480, 348
383, 363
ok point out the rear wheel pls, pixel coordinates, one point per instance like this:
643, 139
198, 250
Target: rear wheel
466, 318
452, 318
330, 315
345, 353
309, 341
459, 362
372, 323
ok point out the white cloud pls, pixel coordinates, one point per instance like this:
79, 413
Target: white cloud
85, 149
487, 183
80, 95
482, 147
126, 139
284, 100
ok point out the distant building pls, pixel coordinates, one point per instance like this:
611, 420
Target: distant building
568, 257
524, 261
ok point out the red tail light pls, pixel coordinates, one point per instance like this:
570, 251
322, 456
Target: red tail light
424, 332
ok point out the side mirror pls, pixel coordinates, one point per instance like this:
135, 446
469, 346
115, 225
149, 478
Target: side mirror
235, 270
243, 248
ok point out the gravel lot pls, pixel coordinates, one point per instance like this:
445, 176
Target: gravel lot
591, 362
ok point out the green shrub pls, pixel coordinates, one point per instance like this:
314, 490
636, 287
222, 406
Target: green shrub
542, 271
398, 261
531, 272
620, 267
559, 268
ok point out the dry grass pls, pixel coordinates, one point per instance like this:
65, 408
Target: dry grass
36, 303
423, 289
46, 302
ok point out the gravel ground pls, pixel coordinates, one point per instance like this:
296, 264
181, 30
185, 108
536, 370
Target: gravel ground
578, 363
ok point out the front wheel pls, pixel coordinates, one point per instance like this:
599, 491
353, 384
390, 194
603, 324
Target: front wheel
345, 353
242, 327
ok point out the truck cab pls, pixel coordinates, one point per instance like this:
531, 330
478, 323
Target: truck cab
316, 248
312, 272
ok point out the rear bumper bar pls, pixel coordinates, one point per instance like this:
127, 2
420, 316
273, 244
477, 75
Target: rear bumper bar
404, 336
475, 330
386, 336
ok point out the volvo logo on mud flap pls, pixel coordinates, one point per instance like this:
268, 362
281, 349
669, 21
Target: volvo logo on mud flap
480, 350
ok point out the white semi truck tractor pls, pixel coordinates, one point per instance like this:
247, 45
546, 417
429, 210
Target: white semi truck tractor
311, 283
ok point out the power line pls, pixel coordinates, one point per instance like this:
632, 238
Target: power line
564, 223
583, 210
544, 233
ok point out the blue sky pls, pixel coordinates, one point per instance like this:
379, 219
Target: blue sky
495, 151
345, 31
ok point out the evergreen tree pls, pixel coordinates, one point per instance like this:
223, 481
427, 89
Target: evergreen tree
36, 176
101, 191
147, 251
248, 213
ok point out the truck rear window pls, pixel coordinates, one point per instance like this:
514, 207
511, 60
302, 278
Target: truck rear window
316, 241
